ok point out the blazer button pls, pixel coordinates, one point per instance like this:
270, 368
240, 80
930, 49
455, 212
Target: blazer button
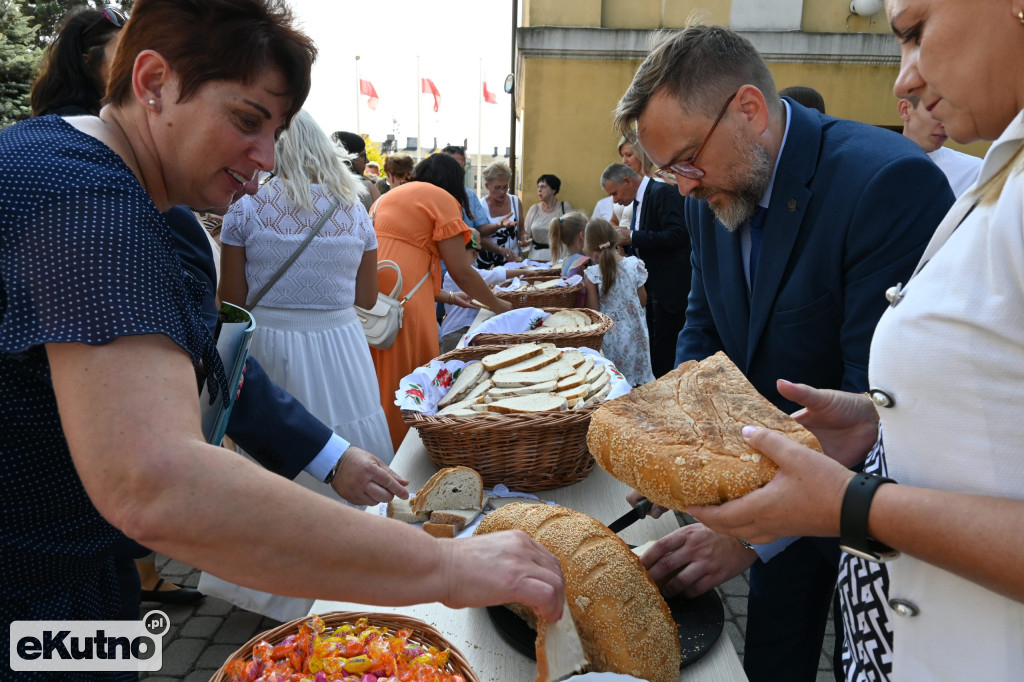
894, 294
901, 607
881, 398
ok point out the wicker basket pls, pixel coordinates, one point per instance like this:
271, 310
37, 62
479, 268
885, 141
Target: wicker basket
422, 633
556, 297
526, 452
591, 338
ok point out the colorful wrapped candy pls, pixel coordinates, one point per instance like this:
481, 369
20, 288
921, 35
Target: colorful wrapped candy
352, 652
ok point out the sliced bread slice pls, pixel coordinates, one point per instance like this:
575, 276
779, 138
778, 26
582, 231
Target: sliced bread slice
539, 402
440, 530
602, 380
511, 356
582, 318
460, 518
499, 502
501, 393
451, 488
470, 375
547, 284
546, 357
574, 357
516, 379
476, 394
571, 381
599, 396
577, 392
561, 318
594, 373
401, 510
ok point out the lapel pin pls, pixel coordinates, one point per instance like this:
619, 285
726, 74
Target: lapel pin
792, 205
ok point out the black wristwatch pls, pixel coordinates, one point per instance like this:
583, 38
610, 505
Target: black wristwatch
853, 520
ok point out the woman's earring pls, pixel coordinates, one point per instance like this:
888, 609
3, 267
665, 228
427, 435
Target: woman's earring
1020, 16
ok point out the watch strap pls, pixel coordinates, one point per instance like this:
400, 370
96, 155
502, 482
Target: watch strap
853, 519
334, 471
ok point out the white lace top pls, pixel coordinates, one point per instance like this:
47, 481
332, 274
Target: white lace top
271, 228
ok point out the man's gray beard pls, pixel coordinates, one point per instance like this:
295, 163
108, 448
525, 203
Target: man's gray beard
754, 174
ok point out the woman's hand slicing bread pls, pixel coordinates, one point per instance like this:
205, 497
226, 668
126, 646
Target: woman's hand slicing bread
487, 565
792, 503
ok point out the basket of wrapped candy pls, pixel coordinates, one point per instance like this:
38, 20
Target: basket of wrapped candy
346, 645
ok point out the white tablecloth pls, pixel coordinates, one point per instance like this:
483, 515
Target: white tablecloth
471, 630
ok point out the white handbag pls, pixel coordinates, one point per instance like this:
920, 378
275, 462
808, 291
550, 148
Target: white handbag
382, 322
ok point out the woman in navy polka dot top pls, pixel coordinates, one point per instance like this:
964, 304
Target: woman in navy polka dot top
100, 333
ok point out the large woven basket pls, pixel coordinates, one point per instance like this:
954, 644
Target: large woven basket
556, 297
526, 452
422, 633
591, 338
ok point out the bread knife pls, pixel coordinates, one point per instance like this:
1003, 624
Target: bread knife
639, 511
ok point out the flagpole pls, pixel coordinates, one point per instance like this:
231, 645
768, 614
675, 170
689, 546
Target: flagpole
358, 129
419, 88
479, 124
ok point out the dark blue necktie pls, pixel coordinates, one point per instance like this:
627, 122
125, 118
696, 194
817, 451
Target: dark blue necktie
756, 225
632, 216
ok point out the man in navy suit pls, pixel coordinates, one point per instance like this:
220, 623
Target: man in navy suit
659, 238
799, 223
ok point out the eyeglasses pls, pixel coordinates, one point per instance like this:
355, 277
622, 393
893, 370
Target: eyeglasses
114, 16
689, 168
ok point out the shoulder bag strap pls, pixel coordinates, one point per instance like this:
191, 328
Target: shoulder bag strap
415, 288
418, 284
291, 259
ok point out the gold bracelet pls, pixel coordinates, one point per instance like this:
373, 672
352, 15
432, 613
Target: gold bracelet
451, 297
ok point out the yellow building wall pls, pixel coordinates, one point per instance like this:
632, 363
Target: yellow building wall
567, 125
678, 12
631, 14
567, 130
561, 13
836, 17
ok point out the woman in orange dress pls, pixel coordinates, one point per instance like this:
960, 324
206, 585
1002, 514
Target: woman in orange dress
418, 225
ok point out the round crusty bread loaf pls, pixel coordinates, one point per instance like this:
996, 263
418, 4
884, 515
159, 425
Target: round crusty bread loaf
622, 619
679, 440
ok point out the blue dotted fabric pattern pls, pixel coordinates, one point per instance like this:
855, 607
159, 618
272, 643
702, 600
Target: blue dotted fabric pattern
85, 256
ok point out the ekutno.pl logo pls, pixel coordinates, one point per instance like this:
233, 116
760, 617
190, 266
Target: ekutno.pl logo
89, 645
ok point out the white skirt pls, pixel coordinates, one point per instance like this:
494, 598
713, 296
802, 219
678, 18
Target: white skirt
320, 357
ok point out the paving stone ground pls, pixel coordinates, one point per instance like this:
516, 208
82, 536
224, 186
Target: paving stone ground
203, 635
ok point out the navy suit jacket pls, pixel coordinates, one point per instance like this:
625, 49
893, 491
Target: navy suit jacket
267, 421
663, 243
851, 210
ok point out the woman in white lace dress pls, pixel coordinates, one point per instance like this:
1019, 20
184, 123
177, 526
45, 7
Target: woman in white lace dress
615, 286
307, 334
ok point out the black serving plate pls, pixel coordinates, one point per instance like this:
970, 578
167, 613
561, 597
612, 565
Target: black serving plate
700, 622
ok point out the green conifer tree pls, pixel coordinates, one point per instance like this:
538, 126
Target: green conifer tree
19, 56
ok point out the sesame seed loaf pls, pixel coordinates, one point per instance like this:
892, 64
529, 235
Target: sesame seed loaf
679, 441
620, 615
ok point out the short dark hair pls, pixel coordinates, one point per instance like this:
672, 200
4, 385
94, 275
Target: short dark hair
210, 40
70, 74
399, 164
551, 181
454, 149
809, 97
445, 172
700, 66
352, 143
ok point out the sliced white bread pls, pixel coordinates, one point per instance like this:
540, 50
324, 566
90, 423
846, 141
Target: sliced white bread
582, 319
451, 488
454, 407
571, 381
401, 510
577, 392
584, 369
561, 318
559, 650
479, 408
460, 518
470, 375
511, 356
594, 373
602, 380
548, 284
501, 393
540, 402
476, 394
599, 396
546, 357
440, 530
574, 357
517, 379
461, 412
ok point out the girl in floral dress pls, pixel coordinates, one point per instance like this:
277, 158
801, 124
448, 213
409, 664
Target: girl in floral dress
615, 286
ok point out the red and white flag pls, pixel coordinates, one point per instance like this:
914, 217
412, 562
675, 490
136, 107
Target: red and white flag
429, 88
366, 88
489, 96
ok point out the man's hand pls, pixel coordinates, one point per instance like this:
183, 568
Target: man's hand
463, 299
634, 497
363, 479
625, 236
692, 560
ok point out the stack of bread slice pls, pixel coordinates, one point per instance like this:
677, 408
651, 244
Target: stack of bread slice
526, 378
536, 285
567, 320
447, 503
